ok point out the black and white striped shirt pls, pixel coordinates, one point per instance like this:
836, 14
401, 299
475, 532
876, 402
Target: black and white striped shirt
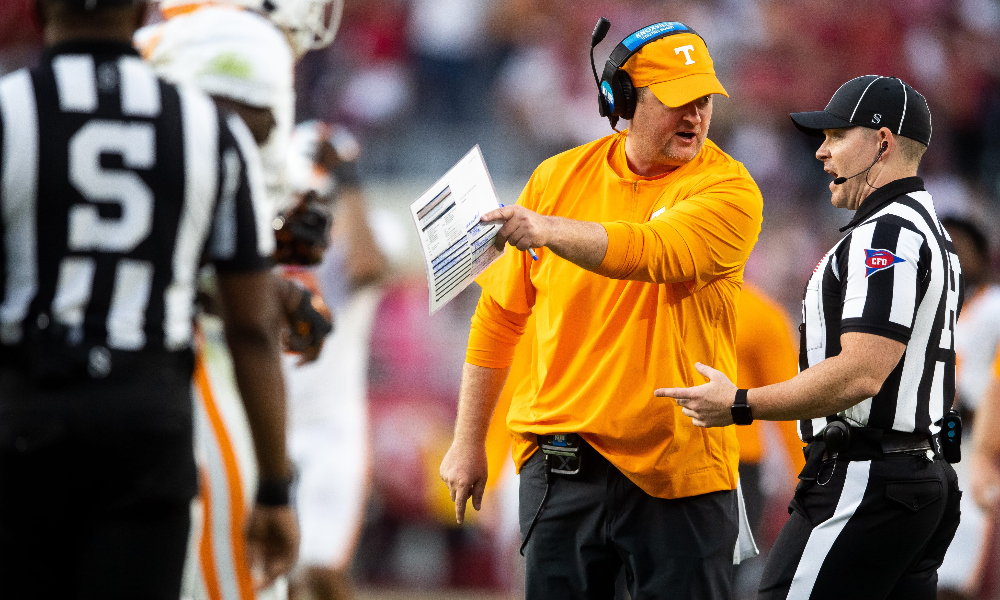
115, 187
895, 274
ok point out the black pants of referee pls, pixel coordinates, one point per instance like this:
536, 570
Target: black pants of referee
597, 521
96, 481
867, 529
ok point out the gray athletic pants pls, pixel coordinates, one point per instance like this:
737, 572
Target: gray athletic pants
595, 522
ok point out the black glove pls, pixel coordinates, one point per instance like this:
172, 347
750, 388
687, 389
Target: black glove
308, 327
304, 234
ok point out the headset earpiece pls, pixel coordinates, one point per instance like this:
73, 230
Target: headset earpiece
602, 104
885, 146
621, 90
628, 94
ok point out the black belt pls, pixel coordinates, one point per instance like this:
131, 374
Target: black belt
858, 443
904, 442
68, 365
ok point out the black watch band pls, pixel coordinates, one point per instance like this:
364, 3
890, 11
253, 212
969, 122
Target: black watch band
274, 492
740, 410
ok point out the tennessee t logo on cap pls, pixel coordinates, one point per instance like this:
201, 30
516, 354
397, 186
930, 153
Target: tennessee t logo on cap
687, 50
878, 260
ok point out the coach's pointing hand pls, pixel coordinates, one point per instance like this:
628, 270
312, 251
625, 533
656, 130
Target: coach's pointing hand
464, 471
583, 243
708, 404
522, 228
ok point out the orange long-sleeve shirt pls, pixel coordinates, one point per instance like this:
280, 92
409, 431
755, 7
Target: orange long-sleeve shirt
765, 354
665, 298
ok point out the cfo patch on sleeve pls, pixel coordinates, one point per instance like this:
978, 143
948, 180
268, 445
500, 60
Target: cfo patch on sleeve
878, 260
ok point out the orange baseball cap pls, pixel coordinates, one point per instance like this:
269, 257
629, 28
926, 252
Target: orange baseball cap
677, 68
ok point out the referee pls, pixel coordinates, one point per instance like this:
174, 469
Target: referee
877, 505
114, 188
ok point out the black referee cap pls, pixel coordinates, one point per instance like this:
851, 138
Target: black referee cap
872, 101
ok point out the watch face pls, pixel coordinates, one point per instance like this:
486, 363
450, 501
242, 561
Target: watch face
742, 415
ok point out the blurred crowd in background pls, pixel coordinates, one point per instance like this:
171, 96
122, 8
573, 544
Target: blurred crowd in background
420, 82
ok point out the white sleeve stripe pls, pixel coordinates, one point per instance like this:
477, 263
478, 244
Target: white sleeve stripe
140, 90
904, 278
75, 82
18, 200
856, 292
264, 212
224, 235
201, 143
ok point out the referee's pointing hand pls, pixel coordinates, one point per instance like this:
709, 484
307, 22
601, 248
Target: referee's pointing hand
708, 404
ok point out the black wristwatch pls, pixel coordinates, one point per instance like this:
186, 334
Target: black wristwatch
742, 415
274, 492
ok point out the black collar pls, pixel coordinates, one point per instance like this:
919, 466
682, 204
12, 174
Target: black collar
114, 48
884, 195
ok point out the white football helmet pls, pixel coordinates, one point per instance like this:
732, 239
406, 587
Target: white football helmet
309, 24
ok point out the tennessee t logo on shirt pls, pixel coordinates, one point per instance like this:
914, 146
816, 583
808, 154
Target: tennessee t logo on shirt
877, 260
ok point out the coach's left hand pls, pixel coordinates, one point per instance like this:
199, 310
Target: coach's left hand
522, 228
708, 404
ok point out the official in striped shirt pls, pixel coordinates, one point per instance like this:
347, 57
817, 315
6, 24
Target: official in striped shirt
877, 505
115, 187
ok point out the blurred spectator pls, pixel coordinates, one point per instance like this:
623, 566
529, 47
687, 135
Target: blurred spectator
20, 36
452, 57
984, 468
977, 332
364, 77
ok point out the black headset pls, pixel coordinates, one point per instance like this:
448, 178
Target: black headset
615, 92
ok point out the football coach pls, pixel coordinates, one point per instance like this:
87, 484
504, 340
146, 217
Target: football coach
642, 238
877, 504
